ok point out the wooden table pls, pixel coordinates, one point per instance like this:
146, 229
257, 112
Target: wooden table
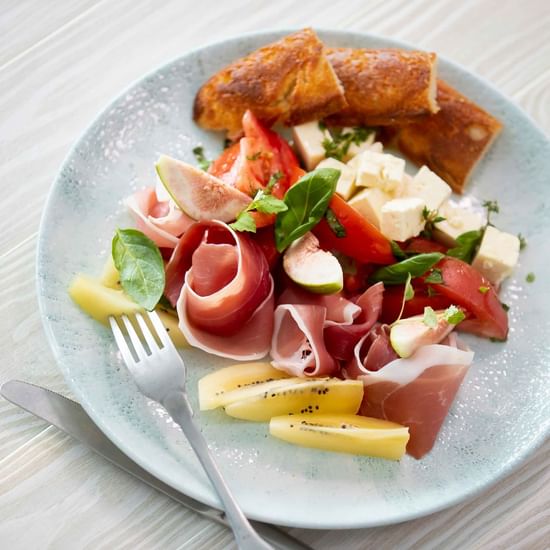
60, 63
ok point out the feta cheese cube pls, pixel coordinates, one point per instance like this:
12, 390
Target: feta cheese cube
380, 170
458, 220
429, 187
346, 182
497, 256
376, 147
369, 203
402, 219
308, 139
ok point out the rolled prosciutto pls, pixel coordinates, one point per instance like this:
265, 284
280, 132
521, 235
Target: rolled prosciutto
161, 220
416, 392
219, 281
297, 346
384, 86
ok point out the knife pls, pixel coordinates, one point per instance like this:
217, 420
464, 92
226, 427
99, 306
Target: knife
70, 417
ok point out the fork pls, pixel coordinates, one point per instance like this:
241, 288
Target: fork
160, 373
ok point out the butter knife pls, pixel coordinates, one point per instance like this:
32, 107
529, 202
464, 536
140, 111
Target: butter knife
70, 417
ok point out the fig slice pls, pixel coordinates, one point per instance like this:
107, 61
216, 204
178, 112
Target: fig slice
199, 194
407, 335
313, 268
343, 433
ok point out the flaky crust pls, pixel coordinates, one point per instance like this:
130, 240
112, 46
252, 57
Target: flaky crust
289, 81
452, 141
384, 86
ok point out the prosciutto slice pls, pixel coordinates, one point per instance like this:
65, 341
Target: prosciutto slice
160, 220
297, 346
416, 392
220, 283
341, 338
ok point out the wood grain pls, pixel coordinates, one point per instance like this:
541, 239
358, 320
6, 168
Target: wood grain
60, 63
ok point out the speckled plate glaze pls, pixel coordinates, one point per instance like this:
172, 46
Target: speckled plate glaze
500, 415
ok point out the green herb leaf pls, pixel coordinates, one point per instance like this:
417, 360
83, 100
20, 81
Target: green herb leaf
307, 201
396, 274
492, 208
505, 307
337, 146
431, 217
466, 245
337, 228
397, 251
272, 181
454, 315
204, 164
244, 222
268, 204
530, 278
409, 290
484, 289
522, 241
139, 262
435, 277
430, 317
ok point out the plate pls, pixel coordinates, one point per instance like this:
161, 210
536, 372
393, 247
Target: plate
500, 415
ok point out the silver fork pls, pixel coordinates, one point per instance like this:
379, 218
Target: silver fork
160, 374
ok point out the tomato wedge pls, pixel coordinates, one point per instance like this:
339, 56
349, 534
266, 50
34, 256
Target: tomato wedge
223, 164
420, 245
461, 284
363, 242
393, 298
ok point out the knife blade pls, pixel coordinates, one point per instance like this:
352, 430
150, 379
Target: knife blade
70, 417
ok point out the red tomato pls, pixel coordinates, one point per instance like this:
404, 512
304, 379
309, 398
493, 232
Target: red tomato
461, 284
393, 298
250, 163
363, 242
419, 245
265, 239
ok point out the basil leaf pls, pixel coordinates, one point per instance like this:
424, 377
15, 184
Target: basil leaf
466, 245
337, 228
397, 274
397, 251
139, 262
307, 201
244, 222
435, 277
409, 290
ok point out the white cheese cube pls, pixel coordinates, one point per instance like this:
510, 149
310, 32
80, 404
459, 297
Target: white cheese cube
458, 220
497, 256
380, 170
429, 187
354, 149
376, 147
369, 203
308, 139
346, 182
402, 219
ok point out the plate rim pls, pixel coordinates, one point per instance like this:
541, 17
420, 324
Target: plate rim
513, 464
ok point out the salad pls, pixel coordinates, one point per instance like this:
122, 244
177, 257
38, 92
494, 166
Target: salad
335, 279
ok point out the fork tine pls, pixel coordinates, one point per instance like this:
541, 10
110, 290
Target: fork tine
160, 328
122, 344
146, 331
138, 346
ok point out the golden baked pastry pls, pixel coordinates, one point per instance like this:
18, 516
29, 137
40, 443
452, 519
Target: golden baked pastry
289, 81
452, 141
385, 86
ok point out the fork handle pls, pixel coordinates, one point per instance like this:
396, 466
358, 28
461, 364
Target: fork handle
177, 404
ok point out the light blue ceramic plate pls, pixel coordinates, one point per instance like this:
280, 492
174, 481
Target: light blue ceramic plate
501, 413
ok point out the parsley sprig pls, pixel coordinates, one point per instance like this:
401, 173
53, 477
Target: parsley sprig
202, 161
431, 217
337, 145
264, 202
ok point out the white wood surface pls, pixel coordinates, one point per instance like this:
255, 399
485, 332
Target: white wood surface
60, 63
